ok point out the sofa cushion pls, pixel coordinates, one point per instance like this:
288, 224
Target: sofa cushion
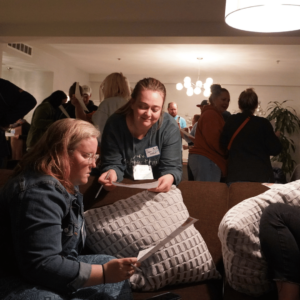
141, 221
245, 267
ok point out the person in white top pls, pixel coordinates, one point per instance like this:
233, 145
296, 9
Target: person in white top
114, 92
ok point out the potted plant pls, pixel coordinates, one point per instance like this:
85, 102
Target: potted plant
287, 122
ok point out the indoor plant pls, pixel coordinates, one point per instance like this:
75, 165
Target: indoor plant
287, 122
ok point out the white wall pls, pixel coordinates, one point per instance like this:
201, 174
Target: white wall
43, 73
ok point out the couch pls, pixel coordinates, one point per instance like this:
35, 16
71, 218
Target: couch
206, 201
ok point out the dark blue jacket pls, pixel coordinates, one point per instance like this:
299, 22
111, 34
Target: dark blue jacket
40, 224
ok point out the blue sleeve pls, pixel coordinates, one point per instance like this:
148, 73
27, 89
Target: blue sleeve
112, 149
183, 123
171, 153
36, 219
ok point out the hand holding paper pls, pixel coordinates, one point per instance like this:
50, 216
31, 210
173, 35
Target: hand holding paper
79, 97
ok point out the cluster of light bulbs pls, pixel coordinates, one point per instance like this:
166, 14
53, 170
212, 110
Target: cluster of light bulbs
195, 88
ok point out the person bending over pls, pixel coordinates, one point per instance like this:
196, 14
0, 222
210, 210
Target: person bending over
140, 141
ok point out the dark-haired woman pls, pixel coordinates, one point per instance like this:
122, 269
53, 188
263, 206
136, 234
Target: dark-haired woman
43, 116
140, 141
207, 160
249, 154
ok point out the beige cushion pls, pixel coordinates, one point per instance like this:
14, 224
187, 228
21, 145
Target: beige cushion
141, 221
245, 267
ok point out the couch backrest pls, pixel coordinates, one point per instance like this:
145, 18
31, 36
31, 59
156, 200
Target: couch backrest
240, 191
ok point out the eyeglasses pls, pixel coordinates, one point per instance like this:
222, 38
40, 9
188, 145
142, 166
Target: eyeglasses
90, 157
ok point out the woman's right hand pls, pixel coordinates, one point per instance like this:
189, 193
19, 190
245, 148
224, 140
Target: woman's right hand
107, 182
118, 270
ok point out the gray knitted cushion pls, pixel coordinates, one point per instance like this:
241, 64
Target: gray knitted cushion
141, 221
245, 267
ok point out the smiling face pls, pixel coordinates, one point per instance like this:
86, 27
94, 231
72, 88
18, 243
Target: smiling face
221, 102
147, 109
80, 168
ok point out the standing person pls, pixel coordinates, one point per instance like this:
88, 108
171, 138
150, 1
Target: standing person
140, 138
43, 116
207, 160
249, 154
87, 94
202, 105
172, 110
115, 92
14, 105
41, 215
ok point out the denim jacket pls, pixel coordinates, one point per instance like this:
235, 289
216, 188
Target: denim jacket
41, 225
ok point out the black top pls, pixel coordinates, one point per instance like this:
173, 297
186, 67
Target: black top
70, 108
249, 156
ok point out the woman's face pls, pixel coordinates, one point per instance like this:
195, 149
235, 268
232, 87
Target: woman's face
80, 167
147, 109
221, 102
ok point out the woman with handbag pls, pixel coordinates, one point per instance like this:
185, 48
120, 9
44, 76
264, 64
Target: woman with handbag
250, 141
42, 221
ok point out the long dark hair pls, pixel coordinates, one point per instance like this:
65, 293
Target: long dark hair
56, 98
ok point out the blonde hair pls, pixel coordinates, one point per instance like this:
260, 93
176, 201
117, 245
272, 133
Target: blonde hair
115, 85
51, 156
145, 84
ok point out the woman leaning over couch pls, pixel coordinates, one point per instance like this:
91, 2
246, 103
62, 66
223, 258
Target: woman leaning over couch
141, 139
42, 221
207, 160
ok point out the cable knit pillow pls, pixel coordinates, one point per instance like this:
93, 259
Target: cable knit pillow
245, 267
141, 221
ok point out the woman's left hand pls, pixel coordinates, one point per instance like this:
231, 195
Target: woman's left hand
164, 184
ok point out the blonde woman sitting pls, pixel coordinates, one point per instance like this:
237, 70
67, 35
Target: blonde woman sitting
41, 215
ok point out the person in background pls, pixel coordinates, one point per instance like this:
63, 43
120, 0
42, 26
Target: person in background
114, 93
73, 107
87, 94
251, 148
42, 218
202, 104
191, 143
14, 105
43, 116
207, 160
172, 110
140, 139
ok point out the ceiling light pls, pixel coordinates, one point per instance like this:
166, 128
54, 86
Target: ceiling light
193, 88
263, 15
179, 86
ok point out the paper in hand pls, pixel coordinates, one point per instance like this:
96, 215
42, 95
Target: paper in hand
144, 254
149, 185
79, 97
64, 111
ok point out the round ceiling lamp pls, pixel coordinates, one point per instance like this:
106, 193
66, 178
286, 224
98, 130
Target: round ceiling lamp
263, 15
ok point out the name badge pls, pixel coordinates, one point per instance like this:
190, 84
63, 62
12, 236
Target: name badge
152, 151
141, 172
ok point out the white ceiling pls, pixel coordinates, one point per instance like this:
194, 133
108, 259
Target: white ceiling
159, 38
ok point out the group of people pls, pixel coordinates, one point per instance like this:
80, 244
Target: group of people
41, 208
232, 148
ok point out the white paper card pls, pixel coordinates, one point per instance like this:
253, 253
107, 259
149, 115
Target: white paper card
272, 185
144, 254
12, 132
142, 172
64, 111
79, 97
152, 151
149, 185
